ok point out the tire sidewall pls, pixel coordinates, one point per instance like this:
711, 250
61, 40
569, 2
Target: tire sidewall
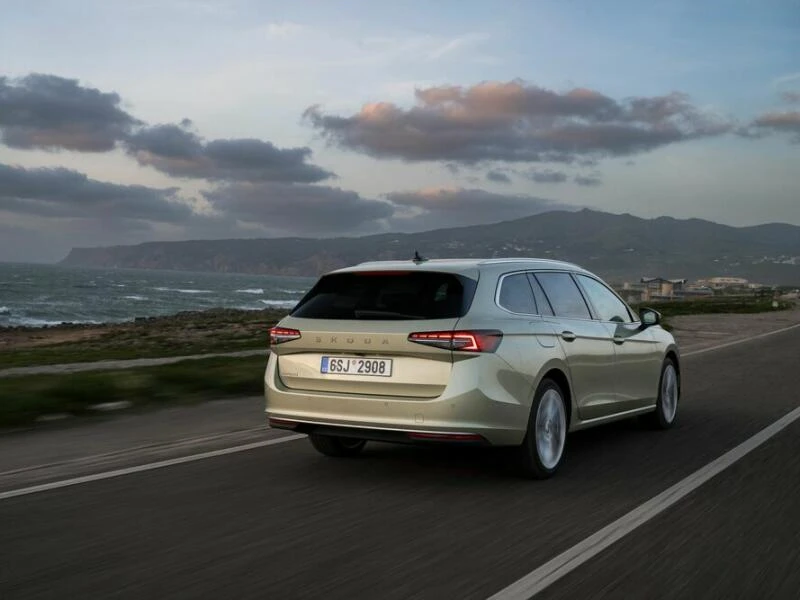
662, 421
532, 463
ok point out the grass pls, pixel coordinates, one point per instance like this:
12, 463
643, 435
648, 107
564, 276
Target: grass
210, 332
24, 399
716, 305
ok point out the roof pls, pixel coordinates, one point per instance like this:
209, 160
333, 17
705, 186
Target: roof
458, 265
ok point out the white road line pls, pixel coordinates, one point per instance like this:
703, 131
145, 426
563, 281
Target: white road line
553, 570
740, 341
35, 489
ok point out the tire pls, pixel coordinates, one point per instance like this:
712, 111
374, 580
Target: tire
542, 450
669, 392
336, 446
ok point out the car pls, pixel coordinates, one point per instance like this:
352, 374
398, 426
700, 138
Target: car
500, 352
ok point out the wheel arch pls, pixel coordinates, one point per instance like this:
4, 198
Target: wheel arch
559, 375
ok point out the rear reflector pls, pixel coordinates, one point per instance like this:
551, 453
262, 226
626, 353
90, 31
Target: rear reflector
445, 437
282, 423
482, 340
279, 335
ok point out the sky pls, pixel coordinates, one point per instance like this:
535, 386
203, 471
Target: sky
123, 122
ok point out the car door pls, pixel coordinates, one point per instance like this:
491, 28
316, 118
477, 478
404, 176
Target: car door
638, 359
587, 343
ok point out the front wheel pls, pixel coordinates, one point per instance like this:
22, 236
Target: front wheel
669, 391
542, 450
330, 445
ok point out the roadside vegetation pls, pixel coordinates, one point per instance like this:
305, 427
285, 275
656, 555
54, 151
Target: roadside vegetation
714, 305
26, 399
184, 334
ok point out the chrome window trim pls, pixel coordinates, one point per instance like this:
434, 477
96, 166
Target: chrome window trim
499, 287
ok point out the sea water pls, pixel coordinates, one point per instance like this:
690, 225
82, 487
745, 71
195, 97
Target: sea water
39, 295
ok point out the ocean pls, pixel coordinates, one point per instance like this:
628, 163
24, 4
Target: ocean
39, 295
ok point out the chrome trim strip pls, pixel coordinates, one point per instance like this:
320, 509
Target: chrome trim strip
627, 413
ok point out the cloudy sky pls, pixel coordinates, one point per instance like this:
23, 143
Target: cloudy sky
123, 122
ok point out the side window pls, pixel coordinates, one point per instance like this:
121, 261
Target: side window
516, 294
564, 295
607, 305
538, 294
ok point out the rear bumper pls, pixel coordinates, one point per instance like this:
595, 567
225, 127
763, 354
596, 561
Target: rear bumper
464, 413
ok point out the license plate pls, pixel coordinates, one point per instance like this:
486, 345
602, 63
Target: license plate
345, 365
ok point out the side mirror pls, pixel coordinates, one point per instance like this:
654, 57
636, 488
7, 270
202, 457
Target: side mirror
649, 317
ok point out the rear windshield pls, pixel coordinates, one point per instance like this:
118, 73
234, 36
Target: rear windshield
388, 295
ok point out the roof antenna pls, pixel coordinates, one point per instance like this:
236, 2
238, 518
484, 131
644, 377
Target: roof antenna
417, 258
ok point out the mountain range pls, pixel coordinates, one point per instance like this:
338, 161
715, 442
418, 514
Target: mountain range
617, 247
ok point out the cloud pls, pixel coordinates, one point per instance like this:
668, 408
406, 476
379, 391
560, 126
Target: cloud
588, 180
546, 176
791, 97
63, 193
498, 177
54, 113
772, 123
516, 121
424, 209
178, 151
284, 30
298, 208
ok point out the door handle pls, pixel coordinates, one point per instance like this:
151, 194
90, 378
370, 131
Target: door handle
619, 340
568, 336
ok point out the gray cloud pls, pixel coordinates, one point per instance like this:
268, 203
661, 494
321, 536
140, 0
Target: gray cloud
791, 97
546, 176
779, 122
50, 112
299, 208
453, 207
177, 151
63, 193
516, 121
588, 180
498, 176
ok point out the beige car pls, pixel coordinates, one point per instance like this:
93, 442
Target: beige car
503, 352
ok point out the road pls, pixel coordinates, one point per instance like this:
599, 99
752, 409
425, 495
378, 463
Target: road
280, 521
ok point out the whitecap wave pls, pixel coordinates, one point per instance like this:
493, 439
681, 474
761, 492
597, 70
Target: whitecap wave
180, 291
279, 303
4, 310
250, 291
136, 297
292, 291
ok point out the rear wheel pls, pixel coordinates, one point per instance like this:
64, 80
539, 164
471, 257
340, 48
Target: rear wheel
542, 450
669, 390
330, 445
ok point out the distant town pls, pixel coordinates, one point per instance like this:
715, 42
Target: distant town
652, 289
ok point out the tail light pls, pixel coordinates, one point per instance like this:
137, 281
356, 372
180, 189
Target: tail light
481, 340
279, 335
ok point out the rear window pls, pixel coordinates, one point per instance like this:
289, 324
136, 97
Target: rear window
388, 295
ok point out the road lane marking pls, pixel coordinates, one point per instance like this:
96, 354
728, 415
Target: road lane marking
566, 562
44, 487
739, 341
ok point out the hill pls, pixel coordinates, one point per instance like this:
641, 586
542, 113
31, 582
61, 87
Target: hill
618, 247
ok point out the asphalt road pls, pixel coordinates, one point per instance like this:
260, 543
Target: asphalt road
401, 522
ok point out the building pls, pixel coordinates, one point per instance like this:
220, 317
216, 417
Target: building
719, 283
658, 288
